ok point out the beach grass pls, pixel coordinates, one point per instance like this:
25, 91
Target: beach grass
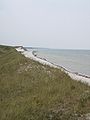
32, 91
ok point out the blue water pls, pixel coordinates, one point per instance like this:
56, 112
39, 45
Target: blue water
73, 60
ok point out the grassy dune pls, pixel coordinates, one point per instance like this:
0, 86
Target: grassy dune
32, 91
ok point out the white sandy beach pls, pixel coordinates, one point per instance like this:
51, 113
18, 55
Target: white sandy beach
74, 76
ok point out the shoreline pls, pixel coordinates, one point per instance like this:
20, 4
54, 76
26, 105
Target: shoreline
31, 54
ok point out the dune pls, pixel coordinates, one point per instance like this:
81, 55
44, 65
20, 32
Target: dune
74, 76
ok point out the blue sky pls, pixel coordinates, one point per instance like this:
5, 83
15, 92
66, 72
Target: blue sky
45, 23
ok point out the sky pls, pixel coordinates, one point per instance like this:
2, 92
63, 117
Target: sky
62, 24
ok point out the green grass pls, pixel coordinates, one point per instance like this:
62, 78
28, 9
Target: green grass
32, 91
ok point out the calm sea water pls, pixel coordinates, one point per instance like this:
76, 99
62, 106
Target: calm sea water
73, 60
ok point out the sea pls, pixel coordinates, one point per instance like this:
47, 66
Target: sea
77, 61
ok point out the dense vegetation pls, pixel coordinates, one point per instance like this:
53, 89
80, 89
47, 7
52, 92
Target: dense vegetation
32, 91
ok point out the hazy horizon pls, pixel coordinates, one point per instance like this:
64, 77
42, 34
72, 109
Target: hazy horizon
57, 24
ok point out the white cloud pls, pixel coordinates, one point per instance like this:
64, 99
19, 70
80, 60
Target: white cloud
47, 23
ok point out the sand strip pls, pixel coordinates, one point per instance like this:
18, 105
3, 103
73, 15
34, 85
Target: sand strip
75, 76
